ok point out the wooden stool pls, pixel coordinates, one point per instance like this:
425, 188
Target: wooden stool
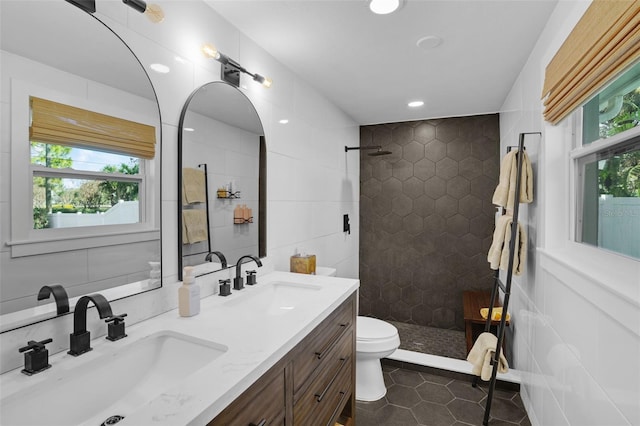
474, 324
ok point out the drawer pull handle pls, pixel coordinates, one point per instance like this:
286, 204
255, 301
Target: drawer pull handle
320, 397
343, 394
262, 423
332, 342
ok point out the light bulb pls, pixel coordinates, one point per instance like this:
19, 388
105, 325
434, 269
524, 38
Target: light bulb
154, 13
210, 51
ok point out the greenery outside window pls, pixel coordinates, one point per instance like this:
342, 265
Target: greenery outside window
74, 187
608, 168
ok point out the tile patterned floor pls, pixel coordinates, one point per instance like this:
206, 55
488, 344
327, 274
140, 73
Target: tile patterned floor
421, 398
431, 340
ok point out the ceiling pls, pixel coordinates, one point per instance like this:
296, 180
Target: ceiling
371, 66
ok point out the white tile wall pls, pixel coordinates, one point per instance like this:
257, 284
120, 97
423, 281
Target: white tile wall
311, 181
576, 330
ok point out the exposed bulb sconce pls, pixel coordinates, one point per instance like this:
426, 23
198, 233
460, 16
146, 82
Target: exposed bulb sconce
152, 11
231, 69
378, 149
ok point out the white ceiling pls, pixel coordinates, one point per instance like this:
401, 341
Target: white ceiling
370, 66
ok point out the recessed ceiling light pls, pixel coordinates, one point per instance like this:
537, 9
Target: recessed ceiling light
415, 104
429, 42
283, 121
384, 7
160, 68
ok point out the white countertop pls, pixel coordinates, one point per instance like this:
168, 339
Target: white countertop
255, 343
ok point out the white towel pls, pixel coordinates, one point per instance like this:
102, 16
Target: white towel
504, 195
480, 355
498, 255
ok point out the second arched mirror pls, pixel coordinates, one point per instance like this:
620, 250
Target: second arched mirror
221, 179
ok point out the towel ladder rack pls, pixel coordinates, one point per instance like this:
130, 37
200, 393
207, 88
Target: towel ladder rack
506, 286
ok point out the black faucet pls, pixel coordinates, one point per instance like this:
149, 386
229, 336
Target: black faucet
36, 357
80, 339
238, 283
220, 256
59, 294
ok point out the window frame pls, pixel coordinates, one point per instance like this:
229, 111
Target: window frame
578, 156
26, 241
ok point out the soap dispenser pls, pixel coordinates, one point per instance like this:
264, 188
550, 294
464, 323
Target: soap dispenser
188, 294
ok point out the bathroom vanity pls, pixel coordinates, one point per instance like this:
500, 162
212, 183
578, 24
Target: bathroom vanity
279, 352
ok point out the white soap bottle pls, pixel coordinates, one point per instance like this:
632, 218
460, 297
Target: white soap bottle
188, 294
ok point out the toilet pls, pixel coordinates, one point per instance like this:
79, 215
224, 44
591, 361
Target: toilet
375, 339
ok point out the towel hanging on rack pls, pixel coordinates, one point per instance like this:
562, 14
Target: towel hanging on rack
480, 356
193, 186
194, 226
504, 194
498, 255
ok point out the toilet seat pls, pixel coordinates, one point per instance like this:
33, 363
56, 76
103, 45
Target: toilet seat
368, 329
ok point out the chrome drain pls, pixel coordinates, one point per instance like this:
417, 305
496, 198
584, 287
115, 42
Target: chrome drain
112, 420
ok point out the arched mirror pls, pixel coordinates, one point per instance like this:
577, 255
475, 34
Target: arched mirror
221, 169
83, 211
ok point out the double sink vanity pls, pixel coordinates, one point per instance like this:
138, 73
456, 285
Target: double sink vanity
279, 352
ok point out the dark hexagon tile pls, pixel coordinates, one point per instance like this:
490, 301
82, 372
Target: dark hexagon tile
413, 151
458, 187
469, 245
424, 206
402, 135
433, 392
435, 150
458, 149
413, 297
457, 225
435, 187
424, 132
424, 169
371, 188
443, 318
392, 223
446, 206
402, 396
381, 170
381, 205
371, 406
470, 167
434, 378
390, 415
365, 417
408, 378
413, 224
447, 130
400, 311
434, 224
402, 205
481, 226
381, 135
447, 168
402, 169
391, 187
466, 411
428, 413
464, 390
484, 148
413, 187
470, 206
506, 410
483, 187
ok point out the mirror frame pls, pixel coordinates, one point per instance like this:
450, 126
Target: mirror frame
40, 313
262, 180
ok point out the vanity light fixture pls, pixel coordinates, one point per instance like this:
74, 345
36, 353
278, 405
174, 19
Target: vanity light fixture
86, 5
152, 11
384, 7
231, 69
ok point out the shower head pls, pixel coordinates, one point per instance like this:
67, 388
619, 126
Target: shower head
378, 149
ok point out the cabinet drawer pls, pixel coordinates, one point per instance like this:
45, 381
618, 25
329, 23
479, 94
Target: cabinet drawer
316, 347
327, 394
262, 404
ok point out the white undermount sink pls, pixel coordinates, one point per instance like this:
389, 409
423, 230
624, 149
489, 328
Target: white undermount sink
276, 298
114, 384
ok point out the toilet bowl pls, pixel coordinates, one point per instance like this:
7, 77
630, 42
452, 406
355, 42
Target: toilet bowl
375, 339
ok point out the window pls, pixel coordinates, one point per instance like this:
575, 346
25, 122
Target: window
608, 167
75, 187
86, 167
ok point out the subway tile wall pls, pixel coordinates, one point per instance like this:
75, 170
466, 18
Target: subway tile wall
426, 217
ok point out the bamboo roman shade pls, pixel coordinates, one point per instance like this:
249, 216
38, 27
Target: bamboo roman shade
61, 124
604, 42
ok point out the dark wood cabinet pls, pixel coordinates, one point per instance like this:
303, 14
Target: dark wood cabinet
314, 384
